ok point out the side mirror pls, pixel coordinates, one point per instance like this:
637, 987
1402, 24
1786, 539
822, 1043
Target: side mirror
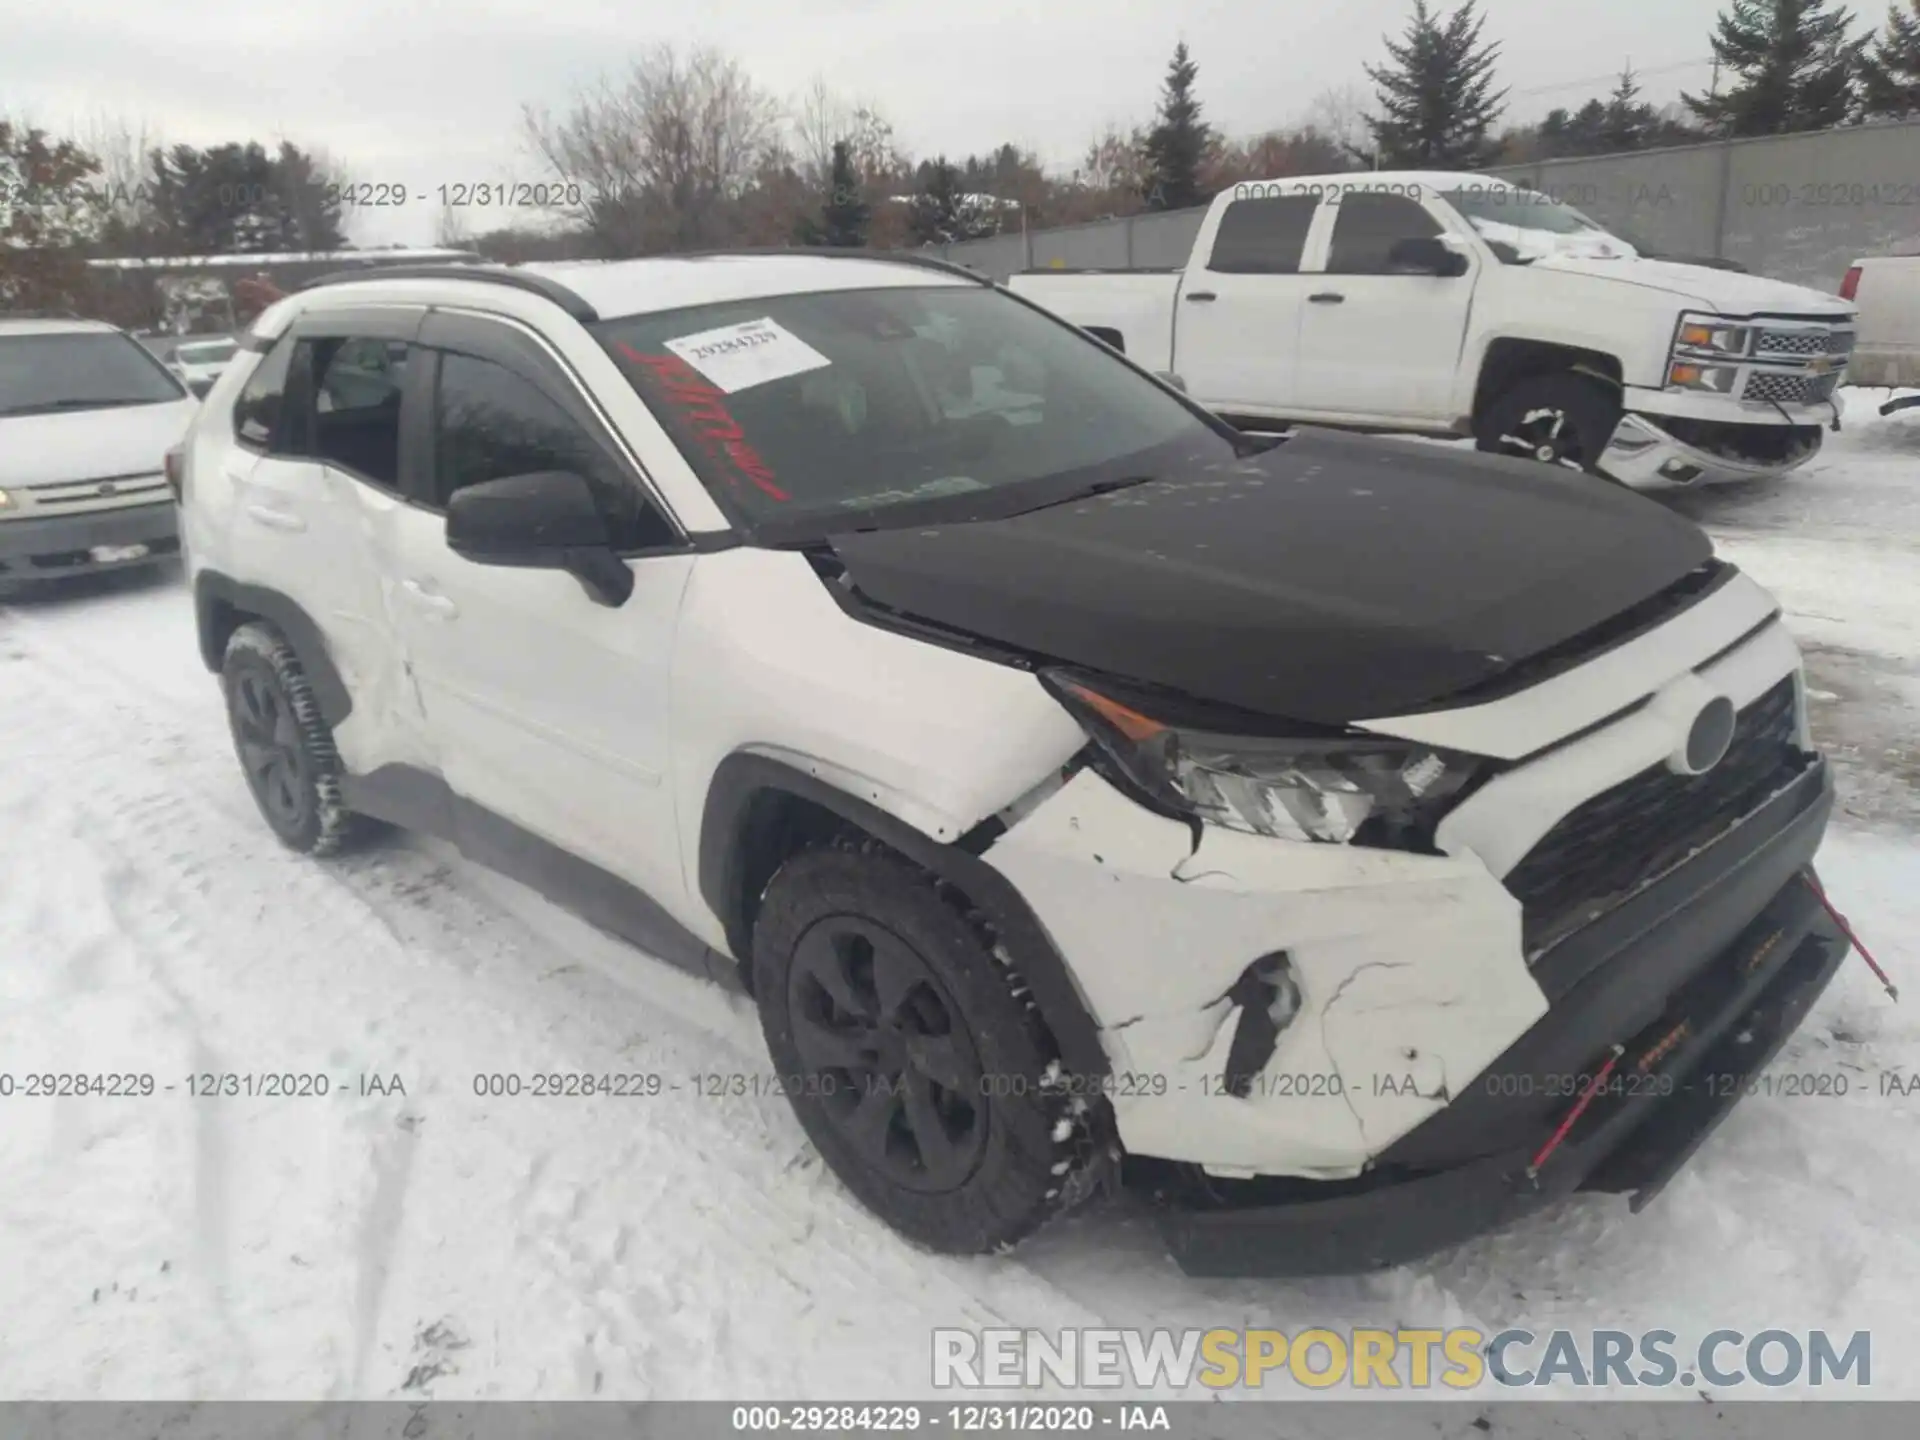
547, 520
1425, 255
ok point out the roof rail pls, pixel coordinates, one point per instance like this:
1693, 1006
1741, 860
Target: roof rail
832, 252
580, 310
540, 285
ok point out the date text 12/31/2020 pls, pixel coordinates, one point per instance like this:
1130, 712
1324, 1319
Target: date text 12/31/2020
463, 195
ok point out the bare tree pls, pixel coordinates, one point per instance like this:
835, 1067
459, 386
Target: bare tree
822, 118
1340, 114
664, 156
450, 230
123, 190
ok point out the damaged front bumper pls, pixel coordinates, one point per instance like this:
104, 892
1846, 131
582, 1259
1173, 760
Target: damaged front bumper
1644, 455
1701, 978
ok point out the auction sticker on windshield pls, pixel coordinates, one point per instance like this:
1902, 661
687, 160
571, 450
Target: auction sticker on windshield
736, 357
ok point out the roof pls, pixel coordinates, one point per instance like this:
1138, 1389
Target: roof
618, 288
1420, 181
49, 325
370, 258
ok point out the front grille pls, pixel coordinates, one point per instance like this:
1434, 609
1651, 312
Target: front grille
1804, 342
101, 492
1627, 837
1788, 388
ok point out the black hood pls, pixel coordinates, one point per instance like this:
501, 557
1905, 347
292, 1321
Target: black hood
1331, 579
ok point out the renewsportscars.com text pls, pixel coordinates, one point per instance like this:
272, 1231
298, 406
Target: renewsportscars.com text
1459, 1358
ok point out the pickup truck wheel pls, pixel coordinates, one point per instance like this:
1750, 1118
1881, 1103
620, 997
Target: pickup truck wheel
285, 749
911, 1054
1561, 419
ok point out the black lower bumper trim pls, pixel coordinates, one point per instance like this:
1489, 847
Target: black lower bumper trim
46, 547
1634, 1140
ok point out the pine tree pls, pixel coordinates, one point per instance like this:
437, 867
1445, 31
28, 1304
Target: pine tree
936, 214
843, 219
1177, 145
1625, 126
1794, 66
1436, 99
1890, 71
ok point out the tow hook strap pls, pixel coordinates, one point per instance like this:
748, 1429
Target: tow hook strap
1892, 990
1579, 1109
1593, 1086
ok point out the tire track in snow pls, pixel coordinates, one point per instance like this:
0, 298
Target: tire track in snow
757, 1218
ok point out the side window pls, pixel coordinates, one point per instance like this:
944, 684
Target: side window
356, 405
256, 414
1263, 236
1366, 227
491, 423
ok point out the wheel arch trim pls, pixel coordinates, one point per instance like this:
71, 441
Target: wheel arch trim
743, 776
216, 596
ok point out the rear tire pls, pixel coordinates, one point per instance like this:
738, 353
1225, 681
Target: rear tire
1563, 419
912, 1054
285, 749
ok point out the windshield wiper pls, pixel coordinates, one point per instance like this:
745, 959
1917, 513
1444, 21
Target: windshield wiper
1090, 492
48, 406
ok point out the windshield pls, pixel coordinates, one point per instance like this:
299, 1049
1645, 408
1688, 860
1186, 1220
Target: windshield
1521, 226
212, 352
79, 372
826, 405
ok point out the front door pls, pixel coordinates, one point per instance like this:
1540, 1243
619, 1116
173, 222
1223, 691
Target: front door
547, 708
1375, 344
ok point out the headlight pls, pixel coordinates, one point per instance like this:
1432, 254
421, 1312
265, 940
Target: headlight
1719, 379
1714, 336
1337, 791
6, 501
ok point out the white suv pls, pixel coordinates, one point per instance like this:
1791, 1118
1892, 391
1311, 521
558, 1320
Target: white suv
1291, 831
87, 416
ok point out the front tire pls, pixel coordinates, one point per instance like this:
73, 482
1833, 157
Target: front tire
1564, 419
285, 749
912, 1055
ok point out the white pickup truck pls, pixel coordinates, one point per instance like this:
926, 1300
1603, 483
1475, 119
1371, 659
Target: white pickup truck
1887, 290
1459, 304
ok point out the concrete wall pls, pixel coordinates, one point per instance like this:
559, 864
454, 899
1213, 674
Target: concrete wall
1796, 207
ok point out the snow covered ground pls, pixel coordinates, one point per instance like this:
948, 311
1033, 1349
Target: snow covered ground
382, 1244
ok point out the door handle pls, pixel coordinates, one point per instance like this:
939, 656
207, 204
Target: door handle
1328, 297
1201, 295
430, 601
275, 519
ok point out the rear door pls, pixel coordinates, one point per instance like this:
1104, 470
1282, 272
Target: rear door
1237, 320
1375, 344
315, 483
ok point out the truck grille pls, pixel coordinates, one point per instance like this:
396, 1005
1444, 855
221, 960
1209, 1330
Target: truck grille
1788, 388
1629, 836
1804, 342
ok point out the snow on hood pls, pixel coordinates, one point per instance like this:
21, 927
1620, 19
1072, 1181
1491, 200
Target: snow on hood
91, 444
1727, 292
1533, 244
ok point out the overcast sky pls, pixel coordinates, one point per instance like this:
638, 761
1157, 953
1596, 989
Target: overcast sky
425, 92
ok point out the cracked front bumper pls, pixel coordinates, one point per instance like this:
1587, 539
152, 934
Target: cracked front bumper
1701, 978
1427, 1060
1645, 456
1409, 967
